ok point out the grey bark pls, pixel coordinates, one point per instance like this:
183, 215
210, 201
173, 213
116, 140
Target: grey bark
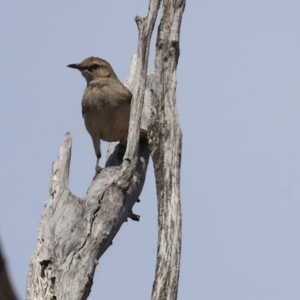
165, 141
75, 232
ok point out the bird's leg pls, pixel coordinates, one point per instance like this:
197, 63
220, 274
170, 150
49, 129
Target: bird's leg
98, 168
96, 142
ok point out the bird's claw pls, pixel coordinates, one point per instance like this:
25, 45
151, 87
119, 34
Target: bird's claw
98, 170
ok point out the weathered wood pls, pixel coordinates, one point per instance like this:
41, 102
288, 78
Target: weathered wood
139, 76
165, 140
75, 232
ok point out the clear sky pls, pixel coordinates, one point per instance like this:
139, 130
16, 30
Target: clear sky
238, 103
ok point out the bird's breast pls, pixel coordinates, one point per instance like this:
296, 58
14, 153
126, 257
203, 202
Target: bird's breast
107, 109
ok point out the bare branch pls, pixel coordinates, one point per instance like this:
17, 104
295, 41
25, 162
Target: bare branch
138, 83
165, 140
134, 217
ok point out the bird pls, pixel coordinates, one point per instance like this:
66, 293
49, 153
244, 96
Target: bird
105, 105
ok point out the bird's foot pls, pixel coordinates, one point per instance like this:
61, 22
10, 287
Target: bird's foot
98, 170
137, 175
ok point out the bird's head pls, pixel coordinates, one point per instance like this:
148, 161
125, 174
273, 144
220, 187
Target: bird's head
94, 67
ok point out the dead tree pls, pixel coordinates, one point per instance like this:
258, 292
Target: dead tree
75, 232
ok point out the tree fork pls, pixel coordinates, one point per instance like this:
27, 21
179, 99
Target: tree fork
75, 232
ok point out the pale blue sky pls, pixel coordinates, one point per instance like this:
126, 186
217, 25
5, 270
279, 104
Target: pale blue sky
238, 103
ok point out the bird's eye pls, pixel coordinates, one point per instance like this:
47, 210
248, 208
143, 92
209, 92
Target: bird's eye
93, 67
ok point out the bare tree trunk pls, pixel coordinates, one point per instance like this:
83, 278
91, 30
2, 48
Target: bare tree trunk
6, 290
165, 144
75, 232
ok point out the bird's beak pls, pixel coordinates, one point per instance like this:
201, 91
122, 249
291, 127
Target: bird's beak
74, 66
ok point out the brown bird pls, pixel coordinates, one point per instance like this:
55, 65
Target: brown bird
105, 104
